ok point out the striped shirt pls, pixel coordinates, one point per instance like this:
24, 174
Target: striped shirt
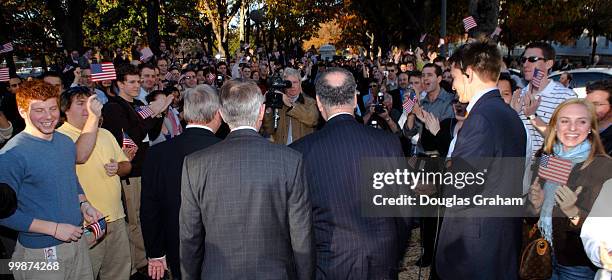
551, 96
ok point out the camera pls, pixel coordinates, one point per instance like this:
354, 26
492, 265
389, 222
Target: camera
274, 96
220, 80
379, 107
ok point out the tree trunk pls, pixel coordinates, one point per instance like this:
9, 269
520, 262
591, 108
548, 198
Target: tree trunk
242, 21
247, 37
153, 25
69, 23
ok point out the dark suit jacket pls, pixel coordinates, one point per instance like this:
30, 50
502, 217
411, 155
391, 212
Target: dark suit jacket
245, 212
350, 246
477, 247
161, 193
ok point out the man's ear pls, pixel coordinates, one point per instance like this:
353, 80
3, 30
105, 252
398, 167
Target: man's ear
320, 106
262, 111
23, 113
549, 64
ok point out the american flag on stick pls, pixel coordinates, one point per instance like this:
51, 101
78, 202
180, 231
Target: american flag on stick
98, 229
538, 77
128, 142
103, 72
555, 169
409, 104
145, 54
144, 111
4, 75
8, 47
469, 23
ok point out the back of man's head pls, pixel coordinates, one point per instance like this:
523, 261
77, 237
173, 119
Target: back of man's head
240, 103
336, 87
200, 104
483, 57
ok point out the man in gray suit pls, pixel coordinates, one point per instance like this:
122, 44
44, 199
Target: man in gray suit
245, 211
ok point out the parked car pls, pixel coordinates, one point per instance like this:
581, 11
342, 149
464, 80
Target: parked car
581, 76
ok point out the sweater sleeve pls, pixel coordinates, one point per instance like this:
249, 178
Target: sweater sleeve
12, 173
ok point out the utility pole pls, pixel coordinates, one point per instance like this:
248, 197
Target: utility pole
443, 28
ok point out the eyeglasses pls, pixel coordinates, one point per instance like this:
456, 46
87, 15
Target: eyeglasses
189, 77
373, 86
532, 59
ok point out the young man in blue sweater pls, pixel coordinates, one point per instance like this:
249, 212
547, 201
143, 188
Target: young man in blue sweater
39, 164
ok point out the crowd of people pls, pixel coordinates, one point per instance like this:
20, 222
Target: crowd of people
249, 167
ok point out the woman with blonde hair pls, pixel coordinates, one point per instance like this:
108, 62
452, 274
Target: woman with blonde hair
564, 203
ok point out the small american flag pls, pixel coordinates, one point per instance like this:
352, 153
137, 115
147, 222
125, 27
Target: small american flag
128, 142
4, 75
145, 54
168, 76
538, 77
8, 47
469, 23
409, 104
555, 169
497, 31
103, 72
68, 68
144, 111
98, 228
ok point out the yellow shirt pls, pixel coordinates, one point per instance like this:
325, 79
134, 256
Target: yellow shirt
102, 191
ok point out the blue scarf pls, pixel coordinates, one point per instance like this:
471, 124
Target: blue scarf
576, 155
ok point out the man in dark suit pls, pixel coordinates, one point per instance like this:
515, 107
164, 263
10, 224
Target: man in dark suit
481, 244
161, 180
349, 245
245, 209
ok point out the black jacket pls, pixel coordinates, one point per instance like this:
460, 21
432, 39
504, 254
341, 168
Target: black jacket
119, 116
161, 193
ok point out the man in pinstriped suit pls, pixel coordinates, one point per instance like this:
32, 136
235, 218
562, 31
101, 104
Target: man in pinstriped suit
349, 246
245, 209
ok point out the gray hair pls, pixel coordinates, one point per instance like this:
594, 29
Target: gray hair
336, 93
240, 103
200, 104
292, 72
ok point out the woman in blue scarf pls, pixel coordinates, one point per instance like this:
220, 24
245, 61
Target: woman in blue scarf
563, 204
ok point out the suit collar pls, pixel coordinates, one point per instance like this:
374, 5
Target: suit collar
242, 133
339, 119
485, 97
198, 131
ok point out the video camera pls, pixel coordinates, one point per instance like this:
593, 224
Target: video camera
274, 96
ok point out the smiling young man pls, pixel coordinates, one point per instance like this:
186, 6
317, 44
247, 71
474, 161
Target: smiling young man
99, 176
39, 164
537, 101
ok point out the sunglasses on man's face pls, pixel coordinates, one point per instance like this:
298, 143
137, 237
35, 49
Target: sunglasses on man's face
532, 59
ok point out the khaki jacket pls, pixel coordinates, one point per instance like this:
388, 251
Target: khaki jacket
304, 116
